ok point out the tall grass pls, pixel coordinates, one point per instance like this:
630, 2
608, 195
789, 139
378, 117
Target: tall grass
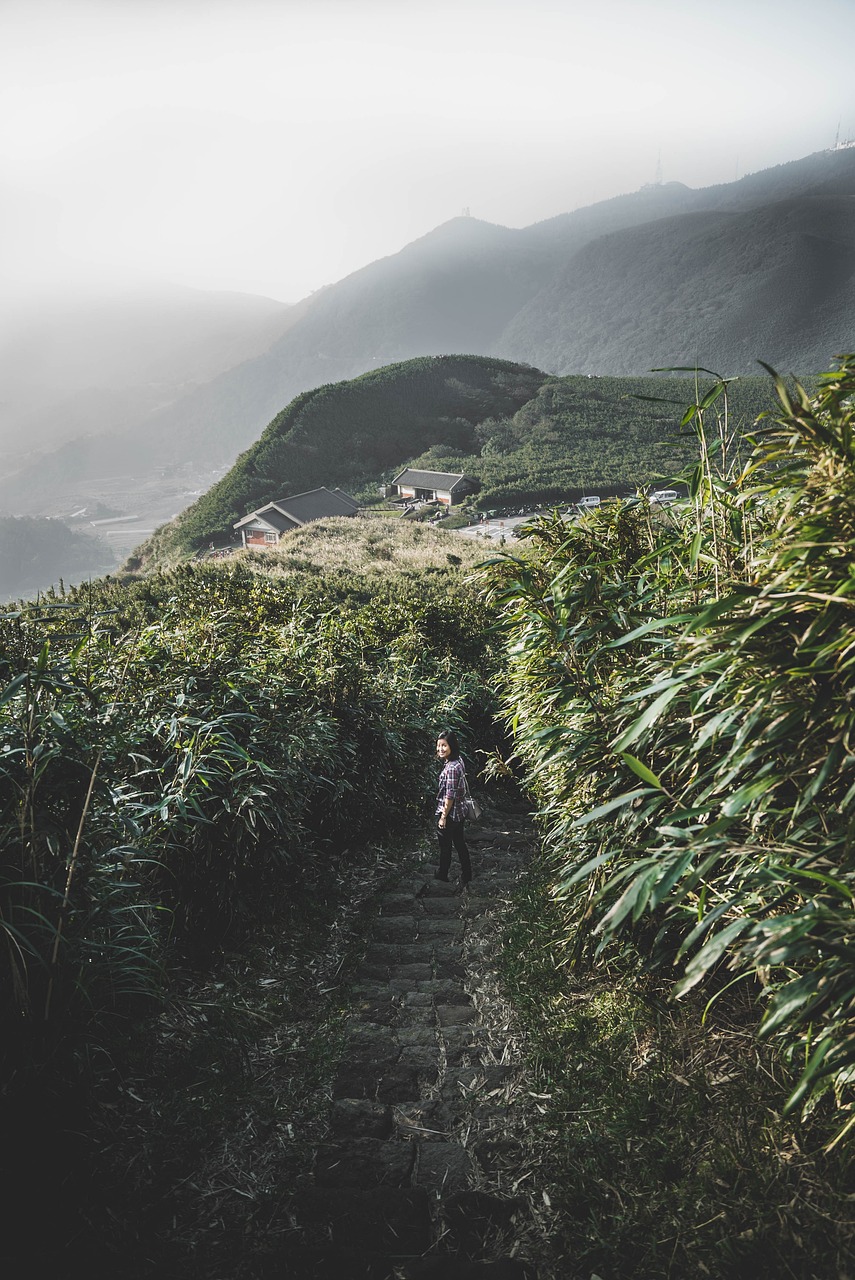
679, 684
221, 735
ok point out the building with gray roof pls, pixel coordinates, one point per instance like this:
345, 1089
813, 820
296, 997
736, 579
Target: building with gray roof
433, 486
264, 527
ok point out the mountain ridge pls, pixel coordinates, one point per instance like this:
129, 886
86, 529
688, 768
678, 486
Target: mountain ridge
469, 286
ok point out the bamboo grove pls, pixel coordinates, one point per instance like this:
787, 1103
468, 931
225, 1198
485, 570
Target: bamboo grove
679, 682
177, 753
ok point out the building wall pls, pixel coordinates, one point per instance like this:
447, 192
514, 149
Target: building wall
425, 495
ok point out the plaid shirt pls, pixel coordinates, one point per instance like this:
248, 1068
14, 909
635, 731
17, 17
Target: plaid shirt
452, 782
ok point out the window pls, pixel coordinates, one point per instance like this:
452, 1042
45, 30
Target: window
270, 537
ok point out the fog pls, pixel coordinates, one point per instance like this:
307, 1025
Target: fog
273, 147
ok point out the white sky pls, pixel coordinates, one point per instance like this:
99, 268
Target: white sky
273, 147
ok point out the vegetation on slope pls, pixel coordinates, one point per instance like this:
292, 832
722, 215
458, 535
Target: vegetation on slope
680, 688
185, 760
577, 435
174, 750
528, 439
348, 434
716, 288
677, 683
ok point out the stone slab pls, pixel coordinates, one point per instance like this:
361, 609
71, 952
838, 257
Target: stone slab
439, 908
419, 1035
424, 1060
453, 1015
395, 1220
414, 972
399, 1084
445, 991
443, 927
443, 1167
396, 929
363, 1163
360, 1118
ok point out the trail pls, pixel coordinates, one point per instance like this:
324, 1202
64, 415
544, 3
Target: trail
417, 1175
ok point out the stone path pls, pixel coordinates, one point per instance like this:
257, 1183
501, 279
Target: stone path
410, 1183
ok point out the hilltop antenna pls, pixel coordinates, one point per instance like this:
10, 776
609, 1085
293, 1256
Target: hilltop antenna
837, 136
466, 213
657, 181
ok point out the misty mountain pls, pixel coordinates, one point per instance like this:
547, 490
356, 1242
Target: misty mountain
37, 553
717, 289
104, 362
756, 269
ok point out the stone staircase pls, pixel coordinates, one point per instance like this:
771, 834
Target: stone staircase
414, 1180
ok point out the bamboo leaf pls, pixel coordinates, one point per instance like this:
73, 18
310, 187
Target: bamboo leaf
641, 770
618, 802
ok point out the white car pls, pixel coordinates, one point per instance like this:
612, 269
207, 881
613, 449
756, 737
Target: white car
664, 497
586, 503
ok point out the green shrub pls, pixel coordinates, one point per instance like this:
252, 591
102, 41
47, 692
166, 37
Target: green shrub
679, 687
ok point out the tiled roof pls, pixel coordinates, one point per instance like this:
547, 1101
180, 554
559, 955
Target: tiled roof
428, 479
286, 513
269, 515
316, 504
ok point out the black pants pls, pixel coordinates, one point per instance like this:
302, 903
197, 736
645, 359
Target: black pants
453, 834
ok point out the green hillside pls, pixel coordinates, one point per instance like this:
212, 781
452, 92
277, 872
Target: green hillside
590, 435
349, 433
528, 438
722, 288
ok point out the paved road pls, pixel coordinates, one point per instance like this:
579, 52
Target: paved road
495, 530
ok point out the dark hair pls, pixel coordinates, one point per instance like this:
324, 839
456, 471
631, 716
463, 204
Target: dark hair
451, 738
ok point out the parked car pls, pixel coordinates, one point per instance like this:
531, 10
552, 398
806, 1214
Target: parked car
664, 497
586, 503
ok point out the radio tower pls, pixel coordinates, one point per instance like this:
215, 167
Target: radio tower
657, 181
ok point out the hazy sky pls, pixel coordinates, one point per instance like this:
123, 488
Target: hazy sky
273, 146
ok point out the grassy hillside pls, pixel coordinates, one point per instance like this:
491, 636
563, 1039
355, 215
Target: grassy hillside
590, 435
348, 434
199, 760
529, 439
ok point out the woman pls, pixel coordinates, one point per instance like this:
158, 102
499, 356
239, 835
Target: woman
449, 809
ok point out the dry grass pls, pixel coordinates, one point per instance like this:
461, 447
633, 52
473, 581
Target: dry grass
370, 544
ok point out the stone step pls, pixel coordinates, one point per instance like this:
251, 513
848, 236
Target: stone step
389, 1219
451, 1267
395, 1183
360, 1118
364, 1162
330, 1263
397, 928
444, 1167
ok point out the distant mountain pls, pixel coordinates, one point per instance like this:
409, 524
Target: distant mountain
721, 289
756, 269
104, 362
35, 554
